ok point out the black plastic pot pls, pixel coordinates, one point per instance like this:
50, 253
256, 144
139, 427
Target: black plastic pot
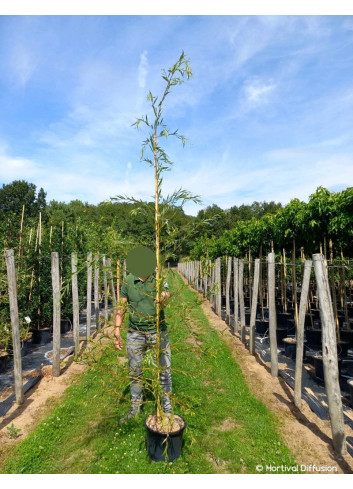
346, 368
290, 347
41, 336
280, 334
162, 446
3, 361
261, 326
64, 326
313, 338
350, 387
24, 348
319, 367
282, 319
342, 348
347, 336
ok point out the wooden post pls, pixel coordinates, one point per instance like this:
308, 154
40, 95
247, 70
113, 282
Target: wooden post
294, 286
111, 281
229, 272
75, 304
241, 299
300, 334
89, 296
254, 306
55, 275
272, 314
284, 280
118, 280
15, 324
236, 293
106, 291
205, 278
96, 291
329, 355
261, 289
219, 287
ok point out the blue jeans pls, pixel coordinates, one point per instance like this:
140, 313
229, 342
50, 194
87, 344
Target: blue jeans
140, 344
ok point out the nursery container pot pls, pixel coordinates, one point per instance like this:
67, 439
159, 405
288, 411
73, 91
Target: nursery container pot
350, 387
319, 366
262, 326
162, 445
290, 347
4, 357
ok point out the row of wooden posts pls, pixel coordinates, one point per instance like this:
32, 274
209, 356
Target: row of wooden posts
109, 292
209, 282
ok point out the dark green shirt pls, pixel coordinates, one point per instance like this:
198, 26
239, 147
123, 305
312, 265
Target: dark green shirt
142, 308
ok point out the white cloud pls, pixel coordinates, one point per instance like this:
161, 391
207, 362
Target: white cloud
23, 64
257, 92
13, 168
142, 70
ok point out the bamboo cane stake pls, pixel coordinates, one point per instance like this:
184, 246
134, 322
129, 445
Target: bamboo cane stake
21, 230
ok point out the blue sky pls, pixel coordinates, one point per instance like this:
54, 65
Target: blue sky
268, 112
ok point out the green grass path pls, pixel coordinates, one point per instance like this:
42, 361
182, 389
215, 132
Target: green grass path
228, 429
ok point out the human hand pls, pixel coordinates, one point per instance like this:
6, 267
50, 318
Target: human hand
118, 341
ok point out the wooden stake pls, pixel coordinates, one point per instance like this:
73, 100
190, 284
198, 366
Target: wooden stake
254, 306
219, 287
229, 272
236, 293
89, 296
300, 334
96, 291
272, 314
241, 300
75, 304
329, 354
15, 325
55, 273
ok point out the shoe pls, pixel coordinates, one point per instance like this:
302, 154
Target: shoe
133, 412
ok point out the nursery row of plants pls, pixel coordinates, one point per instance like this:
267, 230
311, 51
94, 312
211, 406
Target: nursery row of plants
288, 280
327, 216
309, 316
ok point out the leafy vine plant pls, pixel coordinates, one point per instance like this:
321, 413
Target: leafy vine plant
154, 155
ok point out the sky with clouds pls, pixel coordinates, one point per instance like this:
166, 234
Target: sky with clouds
268, 113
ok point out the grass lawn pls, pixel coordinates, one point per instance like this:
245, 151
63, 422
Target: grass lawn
228, 429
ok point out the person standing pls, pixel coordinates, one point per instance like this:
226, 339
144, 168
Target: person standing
138, 298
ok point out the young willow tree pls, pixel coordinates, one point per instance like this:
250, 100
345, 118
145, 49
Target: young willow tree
155, 156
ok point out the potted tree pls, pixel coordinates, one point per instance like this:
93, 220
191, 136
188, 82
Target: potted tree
164, 431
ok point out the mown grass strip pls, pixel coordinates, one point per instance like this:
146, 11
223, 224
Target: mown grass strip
228, 429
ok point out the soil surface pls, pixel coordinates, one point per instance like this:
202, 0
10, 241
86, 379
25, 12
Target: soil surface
170, 423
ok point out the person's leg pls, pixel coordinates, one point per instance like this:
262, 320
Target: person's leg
135, 345
166, 375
